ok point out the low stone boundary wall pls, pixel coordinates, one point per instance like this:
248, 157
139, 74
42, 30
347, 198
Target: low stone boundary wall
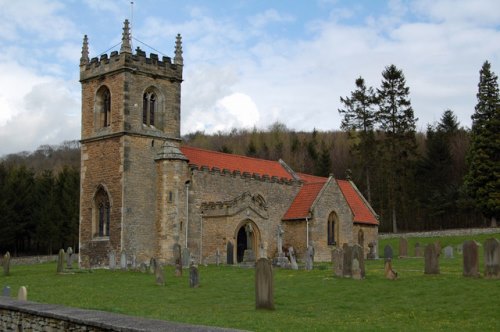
37, 317
448, 232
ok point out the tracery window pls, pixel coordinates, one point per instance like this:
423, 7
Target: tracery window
103, 104
332, 231
149, 105
102, 213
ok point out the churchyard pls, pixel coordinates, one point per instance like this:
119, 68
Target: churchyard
303, 300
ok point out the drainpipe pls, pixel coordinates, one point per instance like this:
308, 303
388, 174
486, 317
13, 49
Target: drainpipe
187, 212
201, 238
307, 232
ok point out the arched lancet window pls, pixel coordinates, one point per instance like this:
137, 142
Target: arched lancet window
104, 107
332, 231
102, 213
149, 105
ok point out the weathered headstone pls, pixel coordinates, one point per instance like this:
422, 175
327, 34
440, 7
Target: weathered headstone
471, 259
389, 272
264, 288
152, 265
358, 254
356, 271
217, 257
69, 258
143, 267
133, 262
60, 261
418, 250
338, 261
6, 291
347, 263
6, 264
448, 252
459, 248
403, 247
186, 257
248, 258
194, 278
309, 258
159, 274
112, 260
371, 254
123, 260
387, 253
178, 260
491, 258
22, 295
431, 258
229, 253
293, 259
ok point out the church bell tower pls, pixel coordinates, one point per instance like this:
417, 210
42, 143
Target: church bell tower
130, 113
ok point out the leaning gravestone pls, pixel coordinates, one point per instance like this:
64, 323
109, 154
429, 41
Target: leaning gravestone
431, 258
293, 260
338, 261
448, 252
347, 262
69, 258
186, 257
194, 278
6, 291
229, 253
418, 250
403, 247
123, 260
358, 254
159, 275
6, 264
387, 253
264, 288
60, 261
492, 258
471, 259
112, 260
22, 295
389, 272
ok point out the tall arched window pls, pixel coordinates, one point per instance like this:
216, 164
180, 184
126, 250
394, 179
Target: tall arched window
103, 105
102, 213
149, 105
332, 231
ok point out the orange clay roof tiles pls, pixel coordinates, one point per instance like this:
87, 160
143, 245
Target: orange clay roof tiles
362, 213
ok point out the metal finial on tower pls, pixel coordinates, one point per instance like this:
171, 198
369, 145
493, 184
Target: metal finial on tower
126, 46
85, 51
178, 60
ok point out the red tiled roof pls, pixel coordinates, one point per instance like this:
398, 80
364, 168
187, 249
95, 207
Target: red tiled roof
362, 213
234, 162
299, 209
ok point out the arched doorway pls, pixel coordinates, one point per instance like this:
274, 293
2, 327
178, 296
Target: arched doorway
246, 238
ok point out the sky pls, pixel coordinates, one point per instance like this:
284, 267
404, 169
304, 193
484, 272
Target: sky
246, 63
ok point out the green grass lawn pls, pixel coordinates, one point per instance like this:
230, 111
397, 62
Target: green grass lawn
304, 300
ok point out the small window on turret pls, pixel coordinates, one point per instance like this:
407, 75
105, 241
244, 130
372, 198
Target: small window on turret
103, 107
148, 108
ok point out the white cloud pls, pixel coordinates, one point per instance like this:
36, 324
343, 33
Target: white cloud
268, 17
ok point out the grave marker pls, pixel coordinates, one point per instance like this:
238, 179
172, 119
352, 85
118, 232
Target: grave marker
403, 247
371, 254
293, 260
358, 254
194, 278
186, 257
22, 295
356, 271
159, 275
123, 260
112, 260
6, 264
60, 261
387, 252
229, 253
309, 258
6, 291
337, 261
492, 258
347, 262
471, 258
264, 288
431, 258
389, 272
418, 250
448, 252
69, 258
152, 265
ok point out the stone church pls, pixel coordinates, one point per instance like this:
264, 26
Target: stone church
144, 194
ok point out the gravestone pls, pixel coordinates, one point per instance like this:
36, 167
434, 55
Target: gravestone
159, 275
229, 253
347, 261
403, 247
248, 258
387, 252
337, 261
418, 250
112, 260
459, 248
371, 254
389, 272
133, 263
309, 258
293, 259
22, 295
491, 258
143, 267
217, 257
69, 258
6, 264
178, 260
264, 288
152, 265
358, 254
60, 261
194, 278
431, 258
448, 252
6, 291
471, 259
356, 270
186, 257
123, 260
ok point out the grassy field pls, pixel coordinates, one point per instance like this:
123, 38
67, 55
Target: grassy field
304, 300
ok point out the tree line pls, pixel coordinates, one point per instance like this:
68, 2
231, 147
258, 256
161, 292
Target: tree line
445, 177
